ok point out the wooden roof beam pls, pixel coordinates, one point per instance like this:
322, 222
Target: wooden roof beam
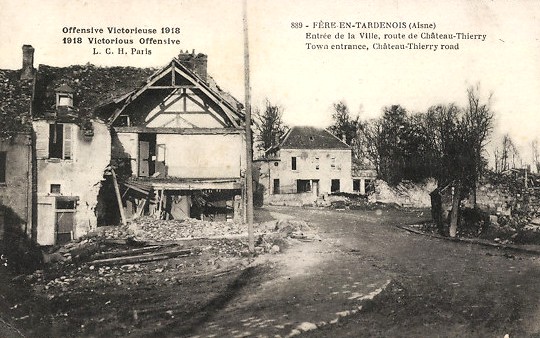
208, 93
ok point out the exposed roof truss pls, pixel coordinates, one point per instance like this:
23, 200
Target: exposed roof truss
178, 79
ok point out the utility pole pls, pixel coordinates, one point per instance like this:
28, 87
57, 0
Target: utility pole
249, 179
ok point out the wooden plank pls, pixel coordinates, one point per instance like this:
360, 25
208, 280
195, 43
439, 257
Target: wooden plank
173, 74
141, 258
127, 253
186, 131
160, 203
155, 77
118, 198
140, 207
173, 87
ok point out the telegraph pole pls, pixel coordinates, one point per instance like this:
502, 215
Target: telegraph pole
249, 179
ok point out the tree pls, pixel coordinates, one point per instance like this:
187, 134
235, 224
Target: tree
269, 125
459, 137
478, 119
392, 141
370, 141
454, 165
402, 145
505, 158
344, 125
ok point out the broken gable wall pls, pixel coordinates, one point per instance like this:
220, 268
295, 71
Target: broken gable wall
79, 177
196, 141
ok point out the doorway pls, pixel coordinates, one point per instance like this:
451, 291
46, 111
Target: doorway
147, 153
65, 219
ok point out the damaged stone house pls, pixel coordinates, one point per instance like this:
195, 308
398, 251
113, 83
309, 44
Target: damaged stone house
180, 140
308, 164
17, 213
106, 144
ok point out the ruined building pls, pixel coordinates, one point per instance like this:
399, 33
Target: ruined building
16, 163
100, 145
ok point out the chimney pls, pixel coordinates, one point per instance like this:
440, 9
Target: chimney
196, 63
27, 71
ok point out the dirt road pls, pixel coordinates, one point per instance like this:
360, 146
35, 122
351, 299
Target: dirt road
439, 288
432, 287
365, 278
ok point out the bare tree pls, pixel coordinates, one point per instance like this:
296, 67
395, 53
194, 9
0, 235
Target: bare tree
535, 155
478, 119
460, 137
269, 125
506, 158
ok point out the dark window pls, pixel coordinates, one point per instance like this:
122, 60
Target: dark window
3, 165
55, 189
56, 140
66, 203
303, 185
335, 186
60, 141
123, 121
356, 185
293, 163
276, 185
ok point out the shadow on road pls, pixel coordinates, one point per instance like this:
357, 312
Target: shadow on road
206, 313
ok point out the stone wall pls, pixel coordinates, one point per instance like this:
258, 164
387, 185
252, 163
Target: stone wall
16, 190
79, 177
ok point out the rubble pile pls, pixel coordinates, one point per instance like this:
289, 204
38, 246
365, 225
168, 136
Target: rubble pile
293, 228
90, 276
111, 232
148, 228
505, 208
223, 239
270, 236
406, 193
95, 241
506, 193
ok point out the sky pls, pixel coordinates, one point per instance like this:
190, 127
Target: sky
307, 82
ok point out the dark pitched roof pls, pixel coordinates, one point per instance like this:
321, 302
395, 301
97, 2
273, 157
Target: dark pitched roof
97, 91
15, 103
311, 138
92, 86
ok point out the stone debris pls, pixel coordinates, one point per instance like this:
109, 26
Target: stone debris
157, 250
148, 228
108, 253
407, 194
307, 326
